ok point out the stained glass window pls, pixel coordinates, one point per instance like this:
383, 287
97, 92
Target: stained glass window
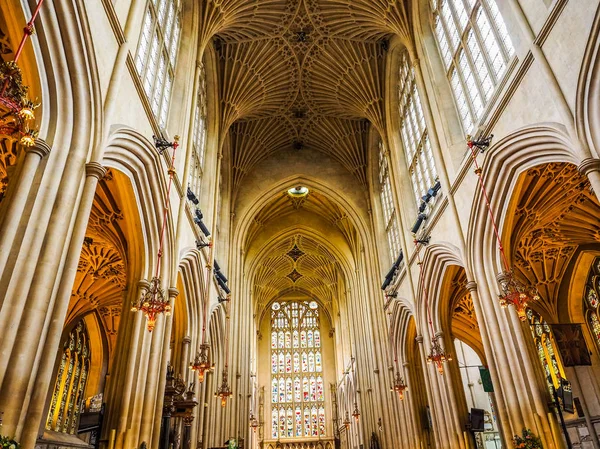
390, 219
157, 53
475, 47
546, 349
591, 303
198, 137
417, 149
297, 392
69, 387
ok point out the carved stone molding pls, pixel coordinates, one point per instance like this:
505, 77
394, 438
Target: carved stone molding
95, 169
589, 165
40, 147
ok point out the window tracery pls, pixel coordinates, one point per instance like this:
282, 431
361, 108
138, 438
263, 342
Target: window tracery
475, 47
417, 148
71, 379
198, 137
390, 219
591, 301
157, 54
297, 391
546, 349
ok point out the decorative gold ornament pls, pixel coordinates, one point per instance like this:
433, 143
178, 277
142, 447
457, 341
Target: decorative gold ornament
153, 303
437, 355
347, 421
516, 293
253, 422
399, 385
16, 110
224, 391
356, 412
201, 363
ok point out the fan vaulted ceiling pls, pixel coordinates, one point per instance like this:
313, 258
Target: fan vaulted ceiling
297, 74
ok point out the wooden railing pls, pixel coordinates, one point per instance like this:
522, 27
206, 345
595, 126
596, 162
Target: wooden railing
322, 443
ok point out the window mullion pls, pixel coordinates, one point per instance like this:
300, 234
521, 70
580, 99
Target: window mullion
483, 49
467, 94
486, 10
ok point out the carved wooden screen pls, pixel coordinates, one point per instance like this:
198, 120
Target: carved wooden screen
69, 387
297, 394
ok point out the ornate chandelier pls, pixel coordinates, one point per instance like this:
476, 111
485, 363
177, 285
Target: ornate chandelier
253, 422
356, 412
201, 363
514, 292
437, 355
347, 421
224, 391
16, 110
399, 385
154, 301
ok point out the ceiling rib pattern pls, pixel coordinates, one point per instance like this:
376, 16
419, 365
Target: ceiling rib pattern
361, 19
242, 20
258, 79
316, 65
318, 269
555, 213
282, 205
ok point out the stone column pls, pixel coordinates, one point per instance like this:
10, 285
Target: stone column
18, 200
591, 169
439, 428
46, 327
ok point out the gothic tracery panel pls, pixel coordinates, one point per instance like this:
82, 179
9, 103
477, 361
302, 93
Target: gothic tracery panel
297, 389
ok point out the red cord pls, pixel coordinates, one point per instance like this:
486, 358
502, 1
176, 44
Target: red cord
489, 207
166, 209
28, 30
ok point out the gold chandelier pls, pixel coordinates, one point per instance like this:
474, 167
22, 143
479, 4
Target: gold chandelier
16, 110
399, 385
437, 355
516, 293
224, 391
201, 364
153, 303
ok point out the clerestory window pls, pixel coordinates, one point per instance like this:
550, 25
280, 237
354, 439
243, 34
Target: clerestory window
157, 54
415, 140
476, 48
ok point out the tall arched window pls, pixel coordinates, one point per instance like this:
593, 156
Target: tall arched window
297, 391
71, 379
198, 137
415, 140
591, 301
157, 54
475, 46
390, 219
546, 349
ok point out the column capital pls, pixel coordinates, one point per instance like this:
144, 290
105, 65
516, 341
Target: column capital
406, 364
186, 340
588, 166
471, 286
439, 334
143, 284
419, 339
40, 147
95, 169
173, 292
